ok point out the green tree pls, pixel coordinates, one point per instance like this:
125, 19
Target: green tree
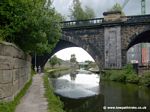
89, 13
78, 13
117, 7
30, 24
54, 61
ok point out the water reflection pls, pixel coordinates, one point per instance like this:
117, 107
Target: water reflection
84, 93
73, 75
77, 85
121, 95
88, 104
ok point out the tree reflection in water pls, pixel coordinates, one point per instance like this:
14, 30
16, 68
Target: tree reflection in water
73, 75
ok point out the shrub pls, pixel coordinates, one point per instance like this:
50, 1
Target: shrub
129, 69
105, 75
132, 78
117, 76
145, 79
127, 74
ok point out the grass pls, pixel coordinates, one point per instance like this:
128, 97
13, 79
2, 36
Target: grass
11, 106
54, 103
48, 70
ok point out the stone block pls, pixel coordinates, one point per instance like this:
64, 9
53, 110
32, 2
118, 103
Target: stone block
6, 90
22, 81
9, 51
1, 93
112, 16
15, 87
16, 74
19, 63
6, 76
6, 63
1, 49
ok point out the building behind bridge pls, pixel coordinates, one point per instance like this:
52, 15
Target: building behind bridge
140, 53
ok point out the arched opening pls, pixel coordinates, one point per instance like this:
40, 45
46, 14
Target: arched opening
62, 44
82, 57
143, 37
139, 49
79, 81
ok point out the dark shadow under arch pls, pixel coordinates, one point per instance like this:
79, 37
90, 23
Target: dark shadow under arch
143, 37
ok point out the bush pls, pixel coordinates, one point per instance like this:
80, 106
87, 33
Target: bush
127, 74
132, 78
129, 69
105, 75
145, 79
117, 75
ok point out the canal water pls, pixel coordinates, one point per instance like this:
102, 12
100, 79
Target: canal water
84, 92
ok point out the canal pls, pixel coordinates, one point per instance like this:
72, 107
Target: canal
82, 91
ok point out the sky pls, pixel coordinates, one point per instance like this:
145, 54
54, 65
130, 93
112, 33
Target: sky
81, 55
99, 6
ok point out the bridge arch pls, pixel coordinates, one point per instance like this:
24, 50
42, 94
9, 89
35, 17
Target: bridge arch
67, 43
143, 37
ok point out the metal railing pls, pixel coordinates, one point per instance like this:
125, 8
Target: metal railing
138, 18
77, 23
100, 21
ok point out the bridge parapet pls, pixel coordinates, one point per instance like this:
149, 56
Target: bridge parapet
138, 19
101, 21
77, 23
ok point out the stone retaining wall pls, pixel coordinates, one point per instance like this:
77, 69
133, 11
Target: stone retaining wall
15, 69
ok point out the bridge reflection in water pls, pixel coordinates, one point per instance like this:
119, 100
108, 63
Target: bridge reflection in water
84, 93
77, 94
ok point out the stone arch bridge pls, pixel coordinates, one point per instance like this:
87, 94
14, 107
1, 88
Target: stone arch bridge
105, 39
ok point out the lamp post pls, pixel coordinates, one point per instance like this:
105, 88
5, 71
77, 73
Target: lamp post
35, 68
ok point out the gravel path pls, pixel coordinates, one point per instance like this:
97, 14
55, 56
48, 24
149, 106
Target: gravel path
34, 100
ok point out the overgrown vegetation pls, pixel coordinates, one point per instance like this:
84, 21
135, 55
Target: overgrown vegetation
78, 13
30, 24
54, 103
145, 79
117, 7
127, 75
11, 106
